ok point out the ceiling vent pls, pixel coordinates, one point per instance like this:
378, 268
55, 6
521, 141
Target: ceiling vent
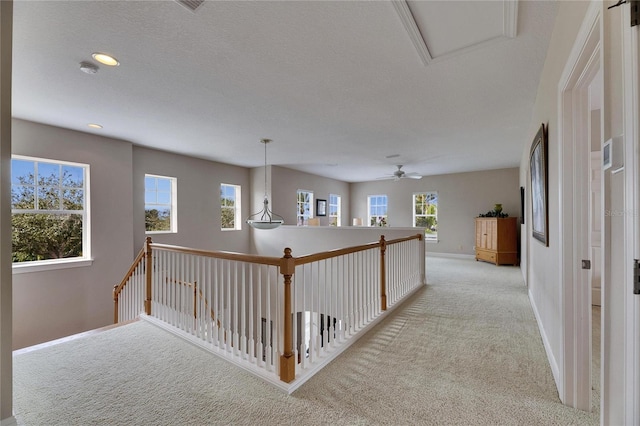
192, 5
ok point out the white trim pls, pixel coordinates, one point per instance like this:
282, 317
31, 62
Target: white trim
369, 209
237, 207
338, 209
510, 16
409, 22
9, 421
509, 30
86, 207
555, 370
631, 122
48, 265
311, 206
583, 64
173, 207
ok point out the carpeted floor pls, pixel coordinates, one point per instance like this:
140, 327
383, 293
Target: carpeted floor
464, 351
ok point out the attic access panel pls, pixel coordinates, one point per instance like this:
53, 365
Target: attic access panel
449, 28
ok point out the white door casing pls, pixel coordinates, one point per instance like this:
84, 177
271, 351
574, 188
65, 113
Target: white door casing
631, 90
595, 225
582, 67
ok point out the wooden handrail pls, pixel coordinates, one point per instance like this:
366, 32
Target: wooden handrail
402, 240
117, 289
315, 257
227, 255
286, 266
275, 261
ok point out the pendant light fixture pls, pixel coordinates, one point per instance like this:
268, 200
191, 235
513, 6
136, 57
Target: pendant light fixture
265, 219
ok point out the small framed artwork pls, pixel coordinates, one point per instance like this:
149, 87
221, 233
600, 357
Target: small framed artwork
321, 207
539, 201
522, 192
606, 155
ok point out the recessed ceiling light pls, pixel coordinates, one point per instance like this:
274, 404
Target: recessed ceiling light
105, 59
94, 126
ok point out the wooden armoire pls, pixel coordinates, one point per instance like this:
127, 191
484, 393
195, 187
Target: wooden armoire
497, 240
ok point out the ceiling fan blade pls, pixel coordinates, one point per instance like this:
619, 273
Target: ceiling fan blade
386, 177
412, 175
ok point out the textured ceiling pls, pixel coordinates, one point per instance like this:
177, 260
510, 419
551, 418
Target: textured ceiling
338, 86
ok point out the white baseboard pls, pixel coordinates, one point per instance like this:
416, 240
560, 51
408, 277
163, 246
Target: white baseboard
451, 255
9, 421
555, 370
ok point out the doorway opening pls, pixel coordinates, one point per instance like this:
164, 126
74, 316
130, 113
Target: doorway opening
580, 134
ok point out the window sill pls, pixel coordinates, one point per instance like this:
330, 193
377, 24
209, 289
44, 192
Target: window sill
45, 265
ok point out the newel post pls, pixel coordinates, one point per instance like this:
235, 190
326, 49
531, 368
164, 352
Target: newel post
287, 360
148, 273
383, 274
115, 304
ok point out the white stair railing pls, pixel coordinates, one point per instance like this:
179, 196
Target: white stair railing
131, 290
283, 318
225, 304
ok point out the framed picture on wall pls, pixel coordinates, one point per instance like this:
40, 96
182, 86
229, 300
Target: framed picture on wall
522, 192
539, 197
321, 207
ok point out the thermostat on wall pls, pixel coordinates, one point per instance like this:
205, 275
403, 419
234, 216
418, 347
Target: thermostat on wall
606, 155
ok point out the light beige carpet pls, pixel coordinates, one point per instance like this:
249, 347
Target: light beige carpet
464, 351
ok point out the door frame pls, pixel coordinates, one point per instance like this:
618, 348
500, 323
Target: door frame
631, 90
582, 66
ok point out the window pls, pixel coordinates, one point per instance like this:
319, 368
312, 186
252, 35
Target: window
230, 207
335, 215
378, 210
305, 207
160, 204
49, 204
425, 213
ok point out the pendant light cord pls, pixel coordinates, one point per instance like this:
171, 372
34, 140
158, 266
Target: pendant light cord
265, 169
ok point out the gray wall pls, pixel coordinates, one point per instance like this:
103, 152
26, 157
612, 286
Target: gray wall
56, 303
198, 198
461, 198
285, 184
543, 277
544, 262
304, 240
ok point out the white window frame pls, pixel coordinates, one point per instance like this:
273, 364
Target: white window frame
427, 236
302, 219
237, 207
384, 217
337, 207
173, 203
69, 262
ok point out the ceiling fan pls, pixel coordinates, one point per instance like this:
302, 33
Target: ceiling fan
401, 174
